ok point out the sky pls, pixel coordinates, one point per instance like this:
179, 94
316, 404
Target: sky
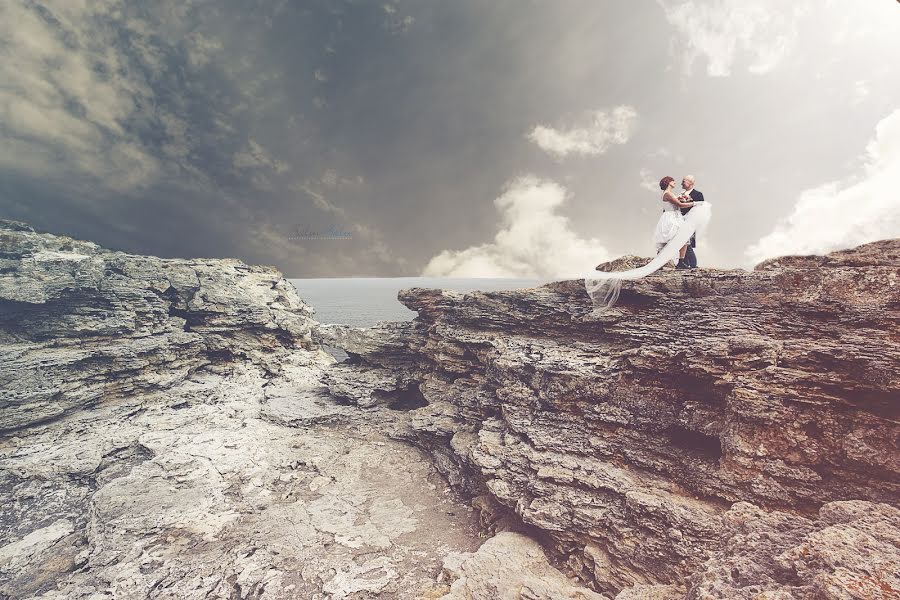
463, 138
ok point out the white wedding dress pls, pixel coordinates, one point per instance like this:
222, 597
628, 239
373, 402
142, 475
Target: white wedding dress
673, 230
668, 225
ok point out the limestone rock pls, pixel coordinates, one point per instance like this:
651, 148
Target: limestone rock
165, 432
80, 324
623, 263
171, 428
198, 492
851, 551
625, 436
652, 592
510, 566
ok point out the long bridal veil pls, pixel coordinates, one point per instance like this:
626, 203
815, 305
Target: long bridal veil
603, 287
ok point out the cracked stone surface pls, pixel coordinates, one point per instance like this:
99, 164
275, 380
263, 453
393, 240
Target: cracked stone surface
80, 324
627, 437
173, 429
166, 432
207, 490
510, 566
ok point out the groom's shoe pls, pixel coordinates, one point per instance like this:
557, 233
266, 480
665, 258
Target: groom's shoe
682, 265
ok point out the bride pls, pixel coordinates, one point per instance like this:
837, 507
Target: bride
672, 235
671, 219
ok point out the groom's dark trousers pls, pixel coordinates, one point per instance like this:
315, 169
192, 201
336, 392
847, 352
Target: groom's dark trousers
689, 257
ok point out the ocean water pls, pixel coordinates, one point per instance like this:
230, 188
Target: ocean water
364, 301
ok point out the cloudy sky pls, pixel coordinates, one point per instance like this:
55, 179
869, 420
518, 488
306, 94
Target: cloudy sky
335, 138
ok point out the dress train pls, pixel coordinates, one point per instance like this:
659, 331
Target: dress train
604, 287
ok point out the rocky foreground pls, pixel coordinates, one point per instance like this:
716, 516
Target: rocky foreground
173, 429
718, 434
164, 434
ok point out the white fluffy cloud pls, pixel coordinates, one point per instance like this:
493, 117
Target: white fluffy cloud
534, 240
764, 30
843, 214
604, 129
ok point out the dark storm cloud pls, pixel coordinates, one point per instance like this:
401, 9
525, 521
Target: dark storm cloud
220, 129
181, 129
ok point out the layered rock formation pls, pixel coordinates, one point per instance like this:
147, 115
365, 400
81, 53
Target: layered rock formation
717, 434
164, 434
80, 324
172, 429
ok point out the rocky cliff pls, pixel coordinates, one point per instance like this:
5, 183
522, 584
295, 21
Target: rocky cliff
717, 434
171, 428
164, 434
80, 325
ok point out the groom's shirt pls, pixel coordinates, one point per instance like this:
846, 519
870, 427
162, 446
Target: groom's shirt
695, 197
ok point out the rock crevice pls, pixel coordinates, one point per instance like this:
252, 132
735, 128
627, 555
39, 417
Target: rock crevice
164, 434
635, 438
170, 428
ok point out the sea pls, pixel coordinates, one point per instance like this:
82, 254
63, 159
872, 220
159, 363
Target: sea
364, 301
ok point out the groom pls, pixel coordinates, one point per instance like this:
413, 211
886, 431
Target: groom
687, 184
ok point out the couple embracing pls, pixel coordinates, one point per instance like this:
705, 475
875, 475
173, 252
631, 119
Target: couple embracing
674, 210
675, 236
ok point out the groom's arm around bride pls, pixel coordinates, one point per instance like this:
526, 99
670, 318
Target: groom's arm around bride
687, 184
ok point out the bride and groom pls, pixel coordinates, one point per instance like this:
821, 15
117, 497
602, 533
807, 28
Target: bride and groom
672, 218
675, 237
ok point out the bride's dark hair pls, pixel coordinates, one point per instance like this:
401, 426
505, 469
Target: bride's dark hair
665, 181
